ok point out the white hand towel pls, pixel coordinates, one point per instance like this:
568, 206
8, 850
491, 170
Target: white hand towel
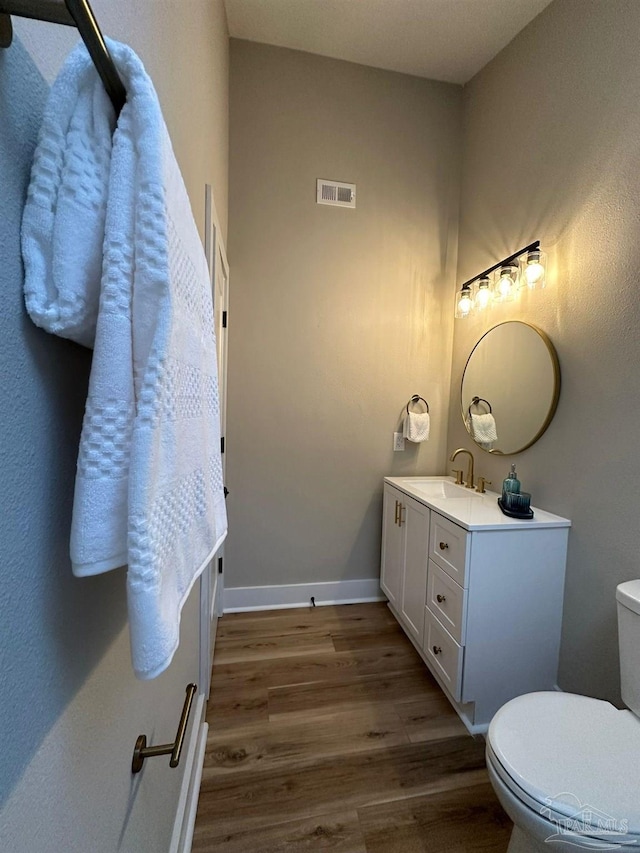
149, 482
416, 426
483, 428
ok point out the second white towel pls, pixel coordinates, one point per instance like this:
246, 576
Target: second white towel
483, 428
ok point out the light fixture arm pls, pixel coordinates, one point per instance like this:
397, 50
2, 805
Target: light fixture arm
532, 247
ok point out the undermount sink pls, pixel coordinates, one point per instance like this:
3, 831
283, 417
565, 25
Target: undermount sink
442, 489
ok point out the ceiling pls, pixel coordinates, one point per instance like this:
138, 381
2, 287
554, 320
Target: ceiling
447, 40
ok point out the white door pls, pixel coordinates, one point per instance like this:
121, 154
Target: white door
219, 273
212, 579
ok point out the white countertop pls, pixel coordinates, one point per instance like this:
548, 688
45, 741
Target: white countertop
475, 511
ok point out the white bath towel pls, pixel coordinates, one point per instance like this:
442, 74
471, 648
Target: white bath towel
483, 428
149, 486
416, 426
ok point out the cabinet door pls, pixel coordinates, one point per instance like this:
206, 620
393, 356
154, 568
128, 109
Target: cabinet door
392, 546
414, 521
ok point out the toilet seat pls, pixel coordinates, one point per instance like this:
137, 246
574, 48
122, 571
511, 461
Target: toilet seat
572, 759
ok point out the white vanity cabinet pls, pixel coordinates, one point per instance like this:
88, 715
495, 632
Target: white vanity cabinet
489, 589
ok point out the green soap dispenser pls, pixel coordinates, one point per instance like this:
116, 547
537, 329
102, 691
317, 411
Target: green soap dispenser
511, 483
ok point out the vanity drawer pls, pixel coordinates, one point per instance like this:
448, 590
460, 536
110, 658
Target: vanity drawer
444, 654
448, 600
448, 547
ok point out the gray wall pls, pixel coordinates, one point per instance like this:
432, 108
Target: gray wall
44, 389
552, 151
66, 684
336, 316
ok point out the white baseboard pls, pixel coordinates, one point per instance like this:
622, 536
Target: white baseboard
189, 822
243, 598
190, 789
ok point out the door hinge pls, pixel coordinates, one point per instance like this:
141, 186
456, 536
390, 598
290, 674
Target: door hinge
219, 565
222, 444
224, 319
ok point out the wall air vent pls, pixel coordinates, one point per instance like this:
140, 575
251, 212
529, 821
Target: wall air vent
336, 193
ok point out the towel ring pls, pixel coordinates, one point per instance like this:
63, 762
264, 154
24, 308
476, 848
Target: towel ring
476, 401
416, 399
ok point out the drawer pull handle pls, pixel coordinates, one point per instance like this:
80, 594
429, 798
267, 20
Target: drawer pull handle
444, 546
440, 598
174, 749
437, 650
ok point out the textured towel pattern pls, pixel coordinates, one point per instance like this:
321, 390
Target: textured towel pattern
416, 426
149, 486
483, 428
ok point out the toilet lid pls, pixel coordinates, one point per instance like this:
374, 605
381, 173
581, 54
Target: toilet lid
574, 755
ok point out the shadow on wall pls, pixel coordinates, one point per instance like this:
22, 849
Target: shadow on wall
366, 544
567, 164
54, 628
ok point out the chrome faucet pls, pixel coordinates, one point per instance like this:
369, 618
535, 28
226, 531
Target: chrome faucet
469, 483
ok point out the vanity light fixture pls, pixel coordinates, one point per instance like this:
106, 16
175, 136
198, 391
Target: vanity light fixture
523, 269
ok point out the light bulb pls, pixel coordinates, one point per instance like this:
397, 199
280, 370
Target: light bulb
483, 294
534, 269
505, 284
464, 303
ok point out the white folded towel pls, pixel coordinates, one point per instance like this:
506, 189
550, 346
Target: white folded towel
149, 486
416, 426
63, 220
483, 428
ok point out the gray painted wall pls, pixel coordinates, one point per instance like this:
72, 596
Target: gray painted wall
44, 388
67, 691
552, 151
336, 316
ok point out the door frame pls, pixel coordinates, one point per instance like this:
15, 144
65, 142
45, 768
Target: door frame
212, 579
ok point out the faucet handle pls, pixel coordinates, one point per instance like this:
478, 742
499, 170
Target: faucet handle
458, 473
482, 482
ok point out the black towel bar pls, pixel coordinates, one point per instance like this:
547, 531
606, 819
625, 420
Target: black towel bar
416, 399
476, 400
72, 13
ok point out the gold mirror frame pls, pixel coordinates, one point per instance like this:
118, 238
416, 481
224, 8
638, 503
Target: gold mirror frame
556, 390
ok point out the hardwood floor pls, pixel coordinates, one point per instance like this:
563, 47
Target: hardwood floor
327, 733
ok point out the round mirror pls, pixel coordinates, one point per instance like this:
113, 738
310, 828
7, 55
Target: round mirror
510, 387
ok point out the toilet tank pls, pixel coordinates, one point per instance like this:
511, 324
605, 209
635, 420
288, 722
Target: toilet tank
628, 598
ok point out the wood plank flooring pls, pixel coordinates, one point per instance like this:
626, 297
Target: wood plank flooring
327, 733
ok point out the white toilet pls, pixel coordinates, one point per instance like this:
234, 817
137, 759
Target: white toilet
566, 768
